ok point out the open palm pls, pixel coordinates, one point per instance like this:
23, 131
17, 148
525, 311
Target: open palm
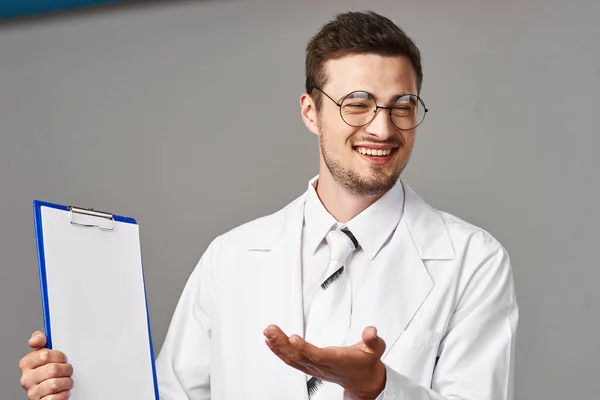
357, 368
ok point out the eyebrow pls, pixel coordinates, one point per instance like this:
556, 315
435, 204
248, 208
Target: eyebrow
392, 98
397, 96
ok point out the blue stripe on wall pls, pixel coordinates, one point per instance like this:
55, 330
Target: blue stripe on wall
19, 8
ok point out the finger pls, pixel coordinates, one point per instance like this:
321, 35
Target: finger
321, 357
37, 340
369, 333
41, 357
59, 396
281, 340
286, 358
51, 387
272, 330
316, 355
372, 340
46, 372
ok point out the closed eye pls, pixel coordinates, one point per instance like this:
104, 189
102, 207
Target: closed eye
357, 105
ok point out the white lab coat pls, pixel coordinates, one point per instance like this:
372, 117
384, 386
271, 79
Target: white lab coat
445, 307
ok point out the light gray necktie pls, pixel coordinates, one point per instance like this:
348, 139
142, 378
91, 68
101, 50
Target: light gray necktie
329, 316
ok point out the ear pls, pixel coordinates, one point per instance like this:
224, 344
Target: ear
309, 113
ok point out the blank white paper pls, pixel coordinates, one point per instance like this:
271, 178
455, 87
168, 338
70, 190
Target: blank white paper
97, 307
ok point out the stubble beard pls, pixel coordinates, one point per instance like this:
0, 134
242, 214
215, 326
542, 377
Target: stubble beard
377, 184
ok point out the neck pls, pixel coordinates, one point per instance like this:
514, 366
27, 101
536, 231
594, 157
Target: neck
340, 203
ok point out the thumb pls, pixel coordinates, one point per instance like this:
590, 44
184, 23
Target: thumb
37, 340
372, 340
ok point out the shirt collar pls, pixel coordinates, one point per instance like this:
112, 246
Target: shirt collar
372, 227
317, 220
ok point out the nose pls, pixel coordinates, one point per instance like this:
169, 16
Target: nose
381, 126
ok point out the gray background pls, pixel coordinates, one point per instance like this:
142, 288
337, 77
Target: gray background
185, 115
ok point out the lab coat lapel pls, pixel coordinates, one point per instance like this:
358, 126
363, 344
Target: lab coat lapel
281, 297
394, 291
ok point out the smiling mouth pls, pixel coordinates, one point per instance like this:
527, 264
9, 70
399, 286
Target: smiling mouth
375, 152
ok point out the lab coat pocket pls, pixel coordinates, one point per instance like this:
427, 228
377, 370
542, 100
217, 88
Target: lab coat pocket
414, 354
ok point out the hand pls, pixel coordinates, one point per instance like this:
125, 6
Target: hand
357, 368
45, 374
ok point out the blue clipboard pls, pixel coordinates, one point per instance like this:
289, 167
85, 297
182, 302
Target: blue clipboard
91, 276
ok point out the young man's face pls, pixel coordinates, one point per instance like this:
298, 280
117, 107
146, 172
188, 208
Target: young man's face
344, 149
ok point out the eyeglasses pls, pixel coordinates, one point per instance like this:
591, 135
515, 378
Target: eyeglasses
359, 108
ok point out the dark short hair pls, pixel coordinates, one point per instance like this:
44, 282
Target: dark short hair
356, 33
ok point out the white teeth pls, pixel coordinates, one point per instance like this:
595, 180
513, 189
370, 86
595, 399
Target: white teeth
374, 152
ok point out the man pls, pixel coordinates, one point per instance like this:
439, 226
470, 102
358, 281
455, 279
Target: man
357, 289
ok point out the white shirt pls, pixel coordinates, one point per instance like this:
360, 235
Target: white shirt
372, 228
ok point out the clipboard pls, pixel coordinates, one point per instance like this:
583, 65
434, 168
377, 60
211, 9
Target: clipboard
94, 301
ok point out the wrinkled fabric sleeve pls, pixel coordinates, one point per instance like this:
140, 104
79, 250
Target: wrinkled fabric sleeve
183, 365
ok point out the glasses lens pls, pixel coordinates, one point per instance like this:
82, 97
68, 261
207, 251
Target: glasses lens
408, 112
358, 108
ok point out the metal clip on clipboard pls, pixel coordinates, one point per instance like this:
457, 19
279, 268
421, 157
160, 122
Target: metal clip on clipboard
90, 218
